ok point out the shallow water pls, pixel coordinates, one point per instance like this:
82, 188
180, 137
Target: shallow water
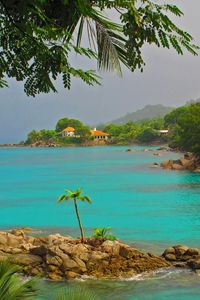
148, 207
160, 285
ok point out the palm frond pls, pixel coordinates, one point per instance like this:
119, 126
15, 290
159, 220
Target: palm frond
109, 41
11, 285
61, 198
85, 199
77, 293
79, 191
68, 191
80, 32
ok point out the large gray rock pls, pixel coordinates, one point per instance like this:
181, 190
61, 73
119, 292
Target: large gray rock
77, 250
181, 249
194, 264
17, 232
112, 247
53, 260
169, 250
192, 251
170, 257
71, 275
14, 241
57, 239
3, 239
26, 259
127, 252
68, 263
40, 250
177, 167
98, 255
81, 264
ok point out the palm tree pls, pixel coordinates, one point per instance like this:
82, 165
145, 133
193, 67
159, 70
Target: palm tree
75, 196
37, 37
11, 285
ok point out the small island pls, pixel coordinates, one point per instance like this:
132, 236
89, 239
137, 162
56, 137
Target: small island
60, 258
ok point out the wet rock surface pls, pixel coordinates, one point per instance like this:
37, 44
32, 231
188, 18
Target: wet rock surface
183, 256
62, 257
187, 162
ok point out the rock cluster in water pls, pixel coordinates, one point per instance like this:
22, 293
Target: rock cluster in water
183, 256
44, 144
62, 257
188, 162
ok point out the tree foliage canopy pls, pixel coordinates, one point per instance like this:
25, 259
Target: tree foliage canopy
146, 131
80, 128
37, 38
184, 125
129, 132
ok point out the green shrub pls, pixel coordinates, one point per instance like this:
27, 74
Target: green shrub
104, 233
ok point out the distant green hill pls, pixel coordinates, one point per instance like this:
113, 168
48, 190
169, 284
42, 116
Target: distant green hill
146, 113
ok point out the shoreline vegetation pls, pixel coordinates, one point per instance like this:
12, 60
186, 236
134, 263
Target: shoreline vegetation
180, 129
72, 132
59, 258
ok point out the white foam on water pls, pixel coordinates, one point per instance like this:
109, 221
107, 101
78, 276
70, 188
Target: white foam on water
158, 274
153, 275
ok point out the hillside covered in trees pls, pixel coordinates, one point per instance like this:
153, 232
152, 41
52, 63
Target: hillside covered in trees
183, 124
131, 132
184, 128
147, 113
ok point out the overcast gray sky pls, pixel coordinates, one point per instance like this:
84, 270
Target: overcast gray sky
168, 79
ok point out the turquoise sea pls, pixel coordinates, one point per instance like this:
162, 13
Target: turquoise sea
148, 207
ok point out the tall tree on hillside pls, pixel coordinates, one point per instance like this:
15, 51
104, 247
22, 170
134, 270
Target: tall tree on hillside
37, 38
75, 196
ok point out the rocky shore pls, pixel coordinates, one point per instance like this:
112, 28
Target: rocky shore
188, 162
183, 257
59, 257
49, 144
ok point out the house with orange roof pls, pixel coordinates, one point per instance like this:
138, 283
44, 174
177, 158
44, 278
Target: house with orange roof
68, 131
99, 135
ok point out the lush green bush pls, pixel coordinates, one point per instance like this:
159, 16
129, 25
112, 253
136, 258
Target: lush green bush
184, 125
42, 135
66, 122
104, 233
148, 135
145, 131
123, 134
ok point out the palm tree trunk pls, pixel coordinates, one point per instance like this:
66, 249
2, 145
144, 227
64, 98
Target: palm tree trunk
79, 221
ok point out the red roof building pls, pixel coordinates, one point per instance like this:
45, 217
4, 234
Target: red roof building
99, 135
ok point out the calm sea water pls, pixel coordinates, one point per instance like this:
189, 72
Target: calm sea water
148, 207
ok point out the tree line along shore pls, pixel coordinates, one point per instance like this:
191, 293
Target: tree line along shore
180, 129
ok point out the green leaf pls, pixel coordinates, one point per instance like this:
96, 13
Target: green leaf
61, 198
